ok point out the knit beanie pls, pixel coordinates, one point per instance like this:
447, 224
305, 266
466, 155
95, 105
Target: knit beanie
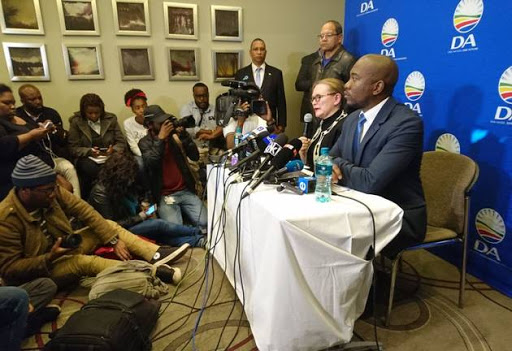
30, 171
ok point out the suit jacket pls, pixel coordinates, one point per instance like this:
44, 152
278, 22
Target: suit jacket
272, 89
387, 163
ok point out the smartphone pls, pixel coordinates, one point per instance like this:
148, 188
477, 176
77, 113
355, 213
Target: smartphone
151, 209
259, 107
48, 125
103, 149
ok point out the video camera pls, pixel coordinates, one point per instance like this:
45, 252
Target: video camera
227, 105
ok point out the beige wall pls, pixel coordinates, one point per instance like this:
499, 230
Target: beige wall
289, 28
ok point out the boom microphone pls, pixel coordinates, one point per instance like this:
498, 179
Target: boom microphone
308, 118
288, 152
233, 83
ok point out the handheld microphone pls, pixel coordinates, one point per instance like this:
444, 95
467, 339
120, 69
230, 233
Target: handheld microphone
288, 152
271, 151
259, 132
308, 118
288, 186
292, 166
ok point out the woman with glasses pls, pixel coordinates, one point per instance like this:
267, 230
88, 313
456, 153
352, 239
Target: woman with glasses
327, 100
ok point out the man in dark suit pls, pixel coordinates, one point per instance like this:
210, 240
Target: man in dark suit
381, 145
269, 79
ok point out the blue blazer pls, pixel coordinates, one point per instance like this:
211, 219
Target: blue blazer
387, 163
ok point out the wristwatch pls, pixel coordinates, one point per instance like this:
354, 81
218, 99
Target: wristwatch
114, 241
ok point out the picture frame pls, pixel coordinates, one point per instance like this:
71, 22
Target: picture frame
83, 61
180, 21
78, 17
131, 17
26, 62
183, 63
21, 17
225, 64
136, 62
226, 23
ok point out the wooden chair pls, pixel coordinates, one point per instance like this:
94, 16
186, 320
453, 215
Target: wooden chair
447, 179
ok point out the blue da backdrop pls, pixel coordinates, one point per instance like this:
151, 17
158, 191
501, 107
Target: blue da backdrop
455, 60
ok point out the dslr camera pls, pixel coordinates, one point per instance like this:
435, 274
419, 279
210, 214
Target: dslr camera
228, 105
185, 122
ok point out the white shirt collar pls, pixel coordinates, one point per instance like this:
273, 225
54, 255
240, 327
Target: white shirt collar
371, 114
254, 67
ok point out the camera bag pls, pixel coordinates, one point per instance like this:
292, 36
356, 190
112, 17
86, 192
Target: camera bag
120, 320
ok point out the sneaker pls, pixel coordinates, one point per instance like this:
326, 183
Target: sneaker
168, 274
167, 254
40, 317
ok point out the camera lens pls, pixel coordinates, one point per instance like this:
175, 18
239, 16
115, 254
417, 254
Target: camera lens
71, 241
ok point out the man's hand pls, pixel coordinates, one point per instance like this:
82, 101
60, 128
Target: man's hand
165, 130
122, 251
336, 174
58, 251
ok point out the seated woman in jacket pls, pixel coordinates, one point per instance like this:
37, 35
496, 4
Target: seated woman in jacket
93, 136
115, 197
327, 100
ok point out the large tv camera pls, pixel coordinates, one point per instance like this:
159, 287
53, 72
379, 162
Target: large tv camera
228, 104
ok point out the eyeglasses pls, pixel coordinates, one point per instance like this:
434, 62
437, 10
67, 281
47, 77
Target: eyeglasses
45, 191
326, 36
317, 98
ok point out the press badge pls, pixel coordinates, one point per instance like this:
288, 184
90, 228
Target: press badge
169, 200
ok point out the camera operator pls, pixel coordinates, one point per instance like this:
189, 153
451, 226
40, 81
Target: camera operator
245, 120
165, 150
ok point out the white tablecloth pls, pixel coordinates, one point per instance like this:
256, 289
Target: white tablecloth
303, 279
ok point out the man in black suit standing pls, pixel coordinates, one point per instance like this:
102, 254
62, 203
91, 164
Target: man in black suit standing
381, 145
269, 79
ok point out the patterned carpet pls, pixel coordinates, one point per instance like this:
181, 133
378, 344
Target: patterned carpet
425, 316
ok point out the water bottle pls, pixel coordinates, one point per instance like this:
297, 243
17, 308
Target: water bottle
323, 172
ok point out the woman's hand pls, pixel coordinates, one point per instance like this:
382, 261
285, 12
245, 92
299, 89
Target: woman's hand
304, 148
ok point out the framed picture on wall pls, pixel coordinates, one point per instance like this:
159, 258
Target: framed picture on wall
83, 61
26, 62
21, 17
136, 62
78, 17
131, 17
183, 63
226, 23
225, 64
180, 21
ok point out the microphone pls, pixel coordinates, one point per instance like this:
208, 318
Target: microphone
271, 151
288, 186
288, 152
259, 132
308, 118
292, 166
233, 83
258, 146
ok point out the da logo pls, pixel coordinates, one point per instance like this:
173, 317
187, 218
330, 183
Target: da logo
449, 143
414, 88
504, 113
466, 17
367, 7
388, 36
491, 228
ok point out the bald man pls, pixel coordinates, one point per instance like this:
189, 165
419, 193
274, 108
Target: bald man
380, 148
35, 113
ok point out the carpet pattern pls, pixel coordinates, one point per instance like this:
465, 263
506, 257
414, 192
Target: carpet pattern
425, 316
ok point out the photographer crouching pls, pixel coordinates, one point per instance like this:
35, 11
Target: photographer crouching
165, 150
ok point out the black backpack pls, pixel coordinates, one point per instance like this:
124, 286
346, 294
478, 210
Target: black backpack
120, 320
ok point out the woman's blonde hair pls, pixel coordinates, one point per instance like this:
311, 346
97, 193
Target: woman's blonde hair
335, 85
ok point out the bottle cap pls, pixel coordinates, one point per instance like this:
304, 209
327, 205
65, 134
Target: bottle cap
324, 151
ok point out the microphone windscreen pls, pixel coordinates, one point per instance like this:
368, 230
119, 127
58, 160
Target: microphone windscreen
296, 143
281, 139
308, 118
294, 166
287, 153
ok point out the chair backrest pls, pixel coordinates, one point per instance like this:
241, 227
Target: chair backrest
446, 178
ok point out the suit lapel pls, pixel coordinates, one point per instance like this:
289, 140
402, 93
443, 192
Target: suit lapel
84, 127
382, 116
105, 124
